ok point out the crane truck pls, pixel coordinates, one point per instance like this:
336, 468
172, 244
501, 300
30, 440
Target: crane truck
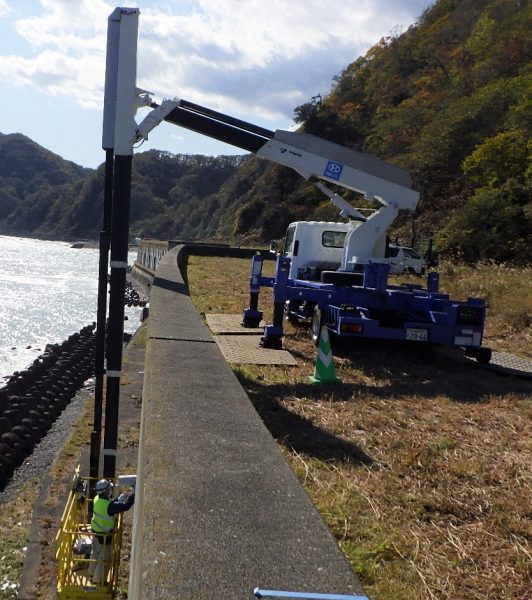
336, 274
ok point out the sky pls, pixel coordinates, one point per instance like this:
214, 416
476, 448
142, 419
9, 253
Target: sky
252, 59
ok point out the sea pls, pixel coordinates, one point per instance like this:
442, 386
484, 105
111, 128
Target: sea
48, 291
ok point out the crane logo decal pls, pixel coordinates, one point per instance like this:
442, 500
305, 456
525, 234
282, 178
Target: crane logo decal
285, 150
333, 170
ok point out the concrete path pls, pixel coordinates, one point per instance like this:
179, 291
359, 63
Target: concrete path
218, 510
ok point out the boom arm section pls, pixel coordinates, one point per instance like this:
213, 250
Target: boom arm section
311, 156
308, 155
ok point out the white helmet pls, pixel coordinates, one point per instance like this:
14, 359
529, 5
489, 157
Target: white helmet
104, 488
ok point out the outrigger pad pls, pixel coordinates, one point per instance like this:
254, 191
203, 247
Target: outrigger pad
246, 350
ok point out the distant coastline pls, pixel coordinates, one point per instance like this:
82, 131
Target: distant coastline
89, 244
46, 237
74, 242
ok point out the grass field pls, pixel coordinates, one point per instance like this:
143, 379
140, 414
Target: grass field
419, 463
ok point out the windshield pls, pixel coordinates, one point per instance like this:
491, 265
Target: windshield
393, 251
409, 253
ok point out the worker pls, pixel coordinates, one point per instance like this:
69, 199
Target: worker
103, 522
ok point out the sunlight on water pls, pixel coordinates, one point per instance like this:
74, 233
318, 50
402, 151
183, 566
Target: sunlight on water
47, 292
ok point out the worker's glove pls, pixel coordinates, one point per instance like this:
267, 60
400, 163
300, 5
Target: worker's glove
123, 497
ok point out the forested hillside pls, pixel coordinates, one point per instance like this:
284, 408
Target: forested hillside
171, 195
449, 99
31, 177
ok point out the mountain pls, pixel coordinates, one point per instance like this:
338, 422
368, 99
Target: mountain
448, 99
30, 178
171, 195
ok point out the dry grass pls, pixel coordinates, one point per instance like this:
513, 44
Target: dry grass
15, 520
220, 285
141, 335
419, 463
507, 292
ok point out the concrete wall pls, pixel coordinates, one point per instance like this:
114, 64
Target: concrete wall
143, 275
218, 510
150, 252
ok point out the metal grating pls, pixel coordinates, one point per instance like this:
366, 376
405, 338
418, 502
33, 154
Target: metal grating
231, 324
245, 350
510, 364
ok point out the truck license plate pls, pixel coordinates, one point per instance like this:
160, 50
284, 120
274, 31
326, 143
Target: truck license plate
417, 335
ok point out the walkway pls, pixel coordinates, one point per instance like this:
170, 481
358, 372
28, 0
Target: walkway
218, 511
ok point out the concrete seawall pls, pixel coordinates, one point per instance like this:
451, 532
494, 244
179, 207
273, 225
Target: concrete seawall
218, 510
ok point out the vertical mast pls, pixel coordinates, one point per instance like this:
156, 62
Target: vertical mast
111, 69
119, 133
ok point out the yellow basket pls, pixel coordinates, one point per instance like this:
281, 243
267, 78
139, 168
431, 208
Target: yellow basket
73, 580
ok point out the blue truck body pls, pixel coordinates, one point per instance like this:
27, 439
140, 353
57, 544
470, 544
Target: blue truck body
364, 305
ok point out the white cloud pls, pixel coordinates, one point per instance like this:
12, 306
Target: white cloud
260, 57
5, 9
58, 75
68, 59
244, 56
66, 25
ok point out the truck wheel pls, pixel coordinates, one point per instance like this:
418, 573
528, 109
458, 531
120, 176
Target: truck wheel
315, 329
483, 355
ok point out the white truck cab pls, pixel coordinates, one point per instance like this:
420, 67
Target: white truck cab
313, 247
316, 246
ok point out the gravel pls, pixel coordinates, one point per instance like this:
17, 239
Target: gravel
37, 464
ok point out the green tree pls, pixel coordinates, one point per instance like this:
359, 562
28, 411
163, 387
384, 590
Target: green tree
495, 224
501, 157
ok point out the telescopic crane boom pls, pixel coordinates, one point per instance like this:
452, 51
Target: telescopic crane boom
314, 159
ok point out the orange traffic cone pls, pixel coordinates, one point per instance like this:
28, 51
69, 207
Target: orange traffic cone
324, 371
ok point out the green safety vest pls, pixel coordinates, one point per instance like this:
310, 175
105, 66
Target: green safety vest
101, 522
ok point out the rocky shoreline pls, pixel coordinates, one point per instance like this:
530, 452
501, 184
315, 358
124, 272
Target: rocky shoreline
34, 398
34, 467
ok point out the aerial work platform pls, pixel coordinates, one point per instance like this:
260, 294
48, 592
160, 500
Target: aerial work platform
73, 547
